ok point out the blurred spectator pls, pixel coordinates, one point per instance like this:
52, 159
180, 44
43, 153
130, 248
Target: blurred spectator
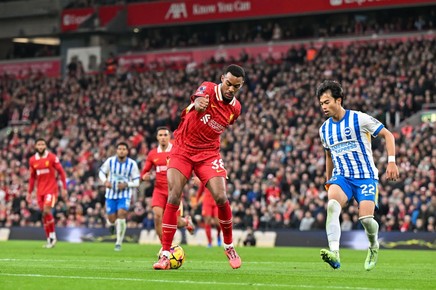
250, 239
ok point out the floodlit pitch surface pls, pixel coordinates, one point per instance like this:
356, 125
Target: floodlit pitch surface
26, 265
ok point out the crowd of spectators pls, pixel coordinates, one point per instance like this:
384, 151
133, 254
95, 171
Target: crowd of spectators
362, 23
273, 152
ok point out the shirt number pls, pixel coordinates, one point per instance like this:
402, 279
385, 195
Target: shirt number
368, 189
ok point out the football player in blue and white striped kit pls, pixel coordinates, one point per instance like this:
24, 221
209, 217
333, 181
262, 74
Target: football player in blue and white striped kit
119, 174
350, 169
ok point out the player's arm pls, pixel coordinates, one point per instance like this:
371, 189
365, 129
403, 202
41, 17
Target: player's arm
145, 173
31, 183
392, 172
103, 173
200, 99
328, 166
328, 156
63, 177
135, 177
201, 103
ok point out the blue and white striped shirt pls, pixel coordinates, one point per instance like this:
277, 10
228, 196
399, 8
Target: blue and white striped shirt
115, 172
349, 142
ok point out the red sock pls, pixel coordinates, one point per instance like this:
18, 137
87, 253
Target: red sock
45, 224
50, 223
226, 221
208, 230
169, 225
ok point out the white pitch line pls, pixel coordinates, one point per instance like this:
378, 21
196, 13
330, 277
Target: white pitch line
184, 281
131, 261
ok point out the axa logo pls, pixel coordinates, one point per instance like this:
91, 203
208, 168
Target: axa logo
177, 11
205, 118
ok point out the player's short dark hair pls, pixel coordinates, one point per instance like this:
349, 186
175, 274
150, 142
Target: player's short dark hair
235, 70
40, 139
122, 143
334, 87
162, 128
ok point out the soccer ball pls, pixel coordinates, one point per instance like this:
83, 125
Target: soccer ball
177, 256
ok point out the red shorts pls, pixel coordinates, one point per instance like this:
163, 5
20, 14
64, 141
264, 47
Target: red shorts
159, 199
47, 199
210, 209
205, 164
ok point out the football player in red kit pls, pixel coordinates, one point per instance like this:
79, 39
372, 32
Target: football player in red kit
43, 167
158, 158
213, 108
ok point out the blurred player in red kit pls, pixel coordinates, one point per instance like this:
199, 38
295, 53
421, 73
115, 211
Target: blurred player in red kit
157, 158
209, 211
213, 108
43, 166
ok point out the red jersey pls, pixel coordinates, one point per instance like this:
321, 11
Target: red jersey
200, 131
158, 159
43, 170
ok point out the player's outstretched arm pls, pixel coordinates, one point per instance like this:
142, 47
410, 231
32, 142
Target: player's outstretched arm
392, 172
31, 184
328, 165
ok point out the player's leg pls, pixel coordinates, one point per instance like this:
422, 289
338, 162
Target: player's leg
367, 203
176, 182
216, 223
49, 201
158, 203
123, 205
157, 215
217, 186
336, 200
366, 217
208, 228
40, 200
121, 226
185, 222
111, 212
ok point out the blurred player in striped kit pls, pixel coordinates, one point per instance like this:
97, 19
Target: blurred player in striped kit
350, 169
119, 174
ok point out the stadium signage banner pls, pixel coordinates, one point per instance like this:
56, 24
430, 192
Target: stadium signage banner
279, 238
191, 11
72, 18
25, 68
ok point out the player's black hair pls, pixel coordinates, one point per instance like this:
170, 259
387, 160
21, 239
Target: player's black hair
122, 143
162, 128
40, 139
235, 70
334, 87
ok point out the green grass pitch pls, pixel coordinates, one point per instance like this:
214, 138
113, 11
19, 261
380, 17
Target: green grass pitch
26, 265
